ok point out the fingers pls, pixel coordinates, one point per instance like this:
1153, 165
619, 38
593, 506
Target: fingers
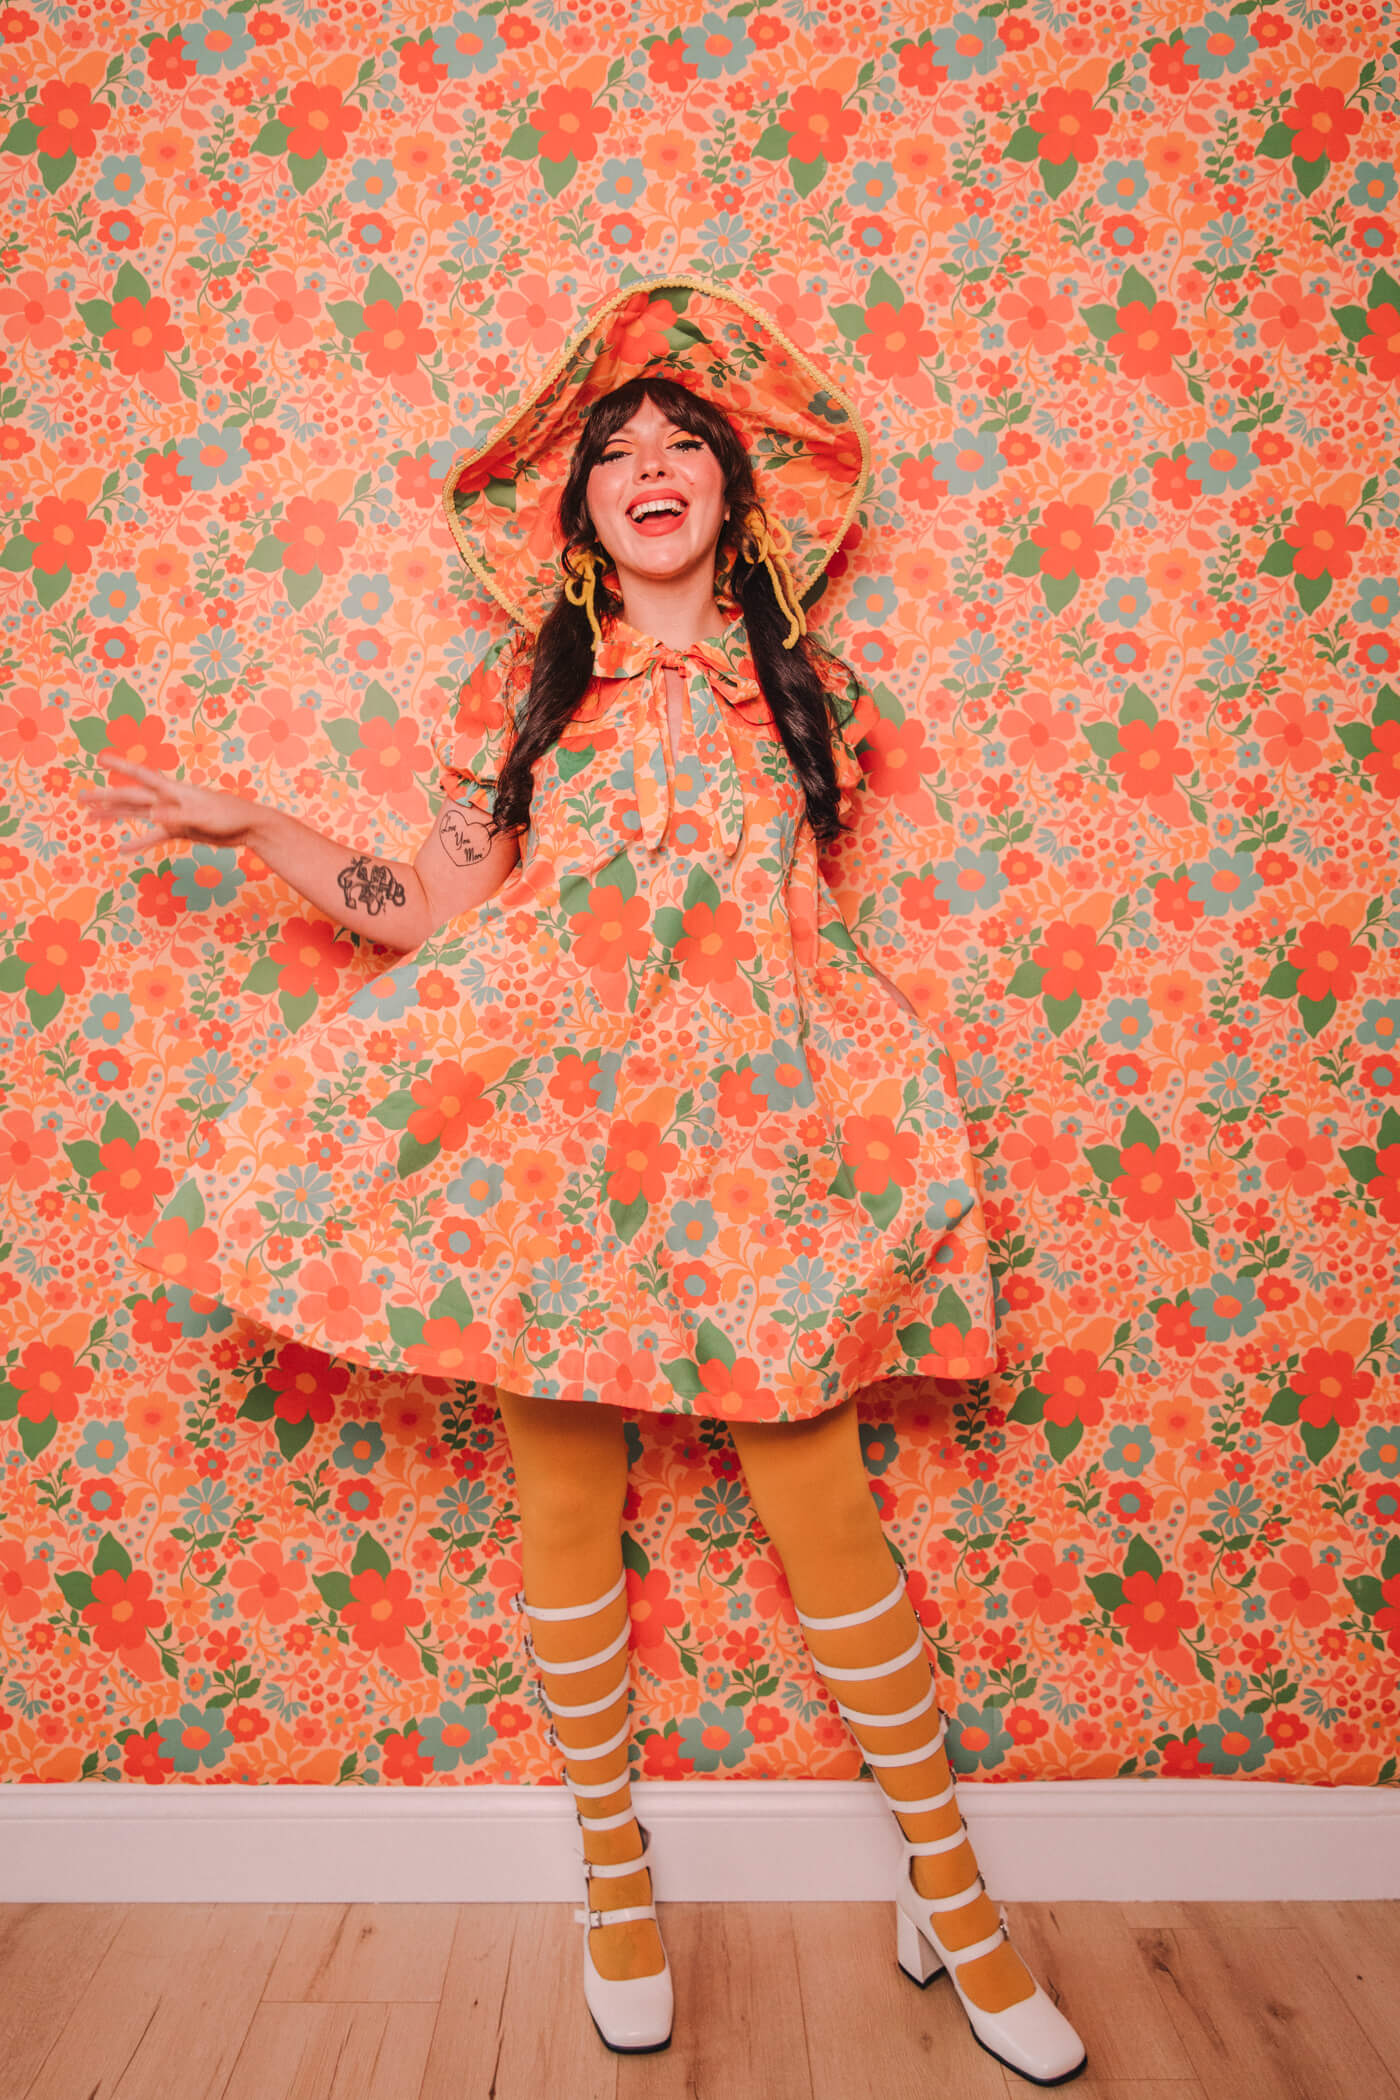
145, 774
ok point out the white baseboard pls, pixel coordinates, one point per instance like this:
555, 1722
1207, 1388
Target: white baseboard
735, 1841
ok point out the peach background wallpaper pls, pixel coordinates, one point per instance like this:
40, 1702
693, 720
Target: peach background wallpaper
1117, 294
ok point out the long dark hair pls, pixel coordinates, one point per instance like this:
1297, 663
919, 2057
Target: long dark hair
801, 701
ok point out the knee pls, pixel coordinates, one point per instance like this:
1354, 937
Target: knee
838, 1520
563, 1510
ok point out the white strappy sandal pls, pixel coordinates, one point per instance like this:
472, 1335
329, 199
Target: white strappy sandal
1033, 2037
634, 2015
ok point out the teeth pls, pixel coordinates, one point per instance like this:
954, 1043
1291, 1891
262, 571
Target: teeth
662, 506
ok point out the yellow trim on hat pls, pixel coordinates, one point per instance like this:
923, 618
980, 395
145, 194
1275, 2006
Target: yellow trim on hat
599, 315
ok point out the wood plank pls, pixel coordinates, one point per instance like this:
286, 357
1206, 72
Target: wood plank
1260, 2018
166, 2010
1359, 1945
870, 2031
1088, 1960
545, 2044
739, 2018
364, 1954
334, 2052
469, 2032
48, 1952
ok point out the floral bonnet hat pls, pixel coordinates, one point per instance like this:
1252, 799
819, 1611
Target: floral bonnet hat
810, 450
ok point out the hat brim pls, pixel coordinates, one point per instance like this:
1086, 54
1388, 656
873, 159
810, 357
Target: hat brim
809, 447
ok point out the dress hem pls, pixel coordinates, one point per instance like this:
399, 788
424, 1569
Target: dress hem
579, 1396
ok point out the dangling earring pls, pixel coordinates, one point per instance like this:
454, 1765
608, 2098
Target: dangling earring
770, 547
580, 590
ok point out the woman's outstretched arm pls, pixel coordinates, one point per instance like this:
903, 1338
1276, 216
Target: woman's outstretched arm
396, 903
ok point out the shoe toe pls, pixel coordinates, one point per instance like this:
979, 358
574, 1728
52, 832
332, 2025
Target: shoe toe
630, 2014
1033, 2038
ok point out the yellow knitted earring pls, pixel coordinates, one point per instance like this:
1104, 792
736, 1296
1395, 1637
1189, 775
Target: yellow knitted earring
770, 547
580, 590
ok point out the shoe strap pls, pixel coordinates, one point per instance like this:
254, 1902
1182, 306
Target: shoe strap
590, 1750
907, 1757
593, 1706
854, 1618
616, 1869
615, 1917
907, 1713
595, 1791
933, 1846
957, 1902
956, 1956
569, 1611
884, 1669
581, 1662
921, 1807
624, 1815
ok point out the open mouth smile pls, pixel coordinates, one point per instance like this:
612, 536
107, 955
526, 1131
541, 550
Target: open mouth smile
653, 515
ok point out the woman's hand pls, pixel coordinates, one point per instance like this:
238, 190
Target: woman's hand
175, 808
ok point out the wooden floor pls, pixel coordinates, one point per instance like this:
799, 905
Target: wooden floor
774, 2001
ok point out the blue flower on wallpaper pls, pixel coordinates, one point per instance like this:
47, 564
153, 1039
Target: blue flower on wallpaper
468, 45
1219, 45
217, 42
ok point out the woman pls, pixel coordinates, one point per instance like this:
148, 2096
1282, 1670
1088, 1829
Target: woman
658, 1138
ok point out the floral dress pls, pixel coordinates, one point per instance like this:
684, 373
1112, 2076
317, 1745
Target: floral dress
644, 1127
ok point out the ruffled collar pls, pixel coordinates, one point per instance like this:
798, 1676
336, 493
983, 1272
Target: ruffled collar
627, 653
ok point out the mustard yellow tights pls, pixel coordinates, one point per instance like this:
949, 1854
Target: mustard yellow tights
808, 1485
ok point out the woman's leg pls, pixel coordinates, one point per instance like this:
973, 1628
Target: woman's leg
570, 1465
808, 1483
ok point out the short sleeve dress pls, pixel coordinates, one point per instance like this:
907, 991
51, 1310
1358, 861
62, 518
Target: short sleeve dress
644, 1128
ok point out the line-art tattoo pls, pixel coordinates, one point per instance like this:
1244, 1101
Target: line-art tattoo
466, 837
369, 885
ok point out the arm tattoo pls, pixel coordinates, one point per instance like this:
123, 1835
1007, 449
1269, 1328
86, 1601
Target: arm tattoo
368, 885
465, 835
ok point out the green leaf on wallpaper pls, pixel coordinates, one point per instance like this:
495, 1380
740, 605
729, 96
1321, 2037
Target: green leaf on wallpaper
1102, 738
22, 137
43, 1008
883, 291
265, 976
1137, 707
49, 589
266, 557
1278, 561
111, 1557
301, 590
1027, 1407
369, 1554
1383, 291
92, 735
849, 319
1318, 1441
1311, 174
335, 1589
1106, 1589
556, 175
773, 143
628, 1218
77, 1588
86, 1157
1277, 142
1057, 175
1059, 1013
1312, 590
17, 554
1063, 1438
452, 1303
1024, 559
1387, 707
296, 1012
272, 138
1058, 591
1106, 1161
259, 1404
345, 736
1139, 1129
378, 704
37, 1436
684, 1377
305, 172
1101, 321
348, 315
54, 173
523, 143
1281, 982
1135, 287
883, 1208
381, 285
1354, 322
414, 1156
1026, 982
806, 174
1316, 1013
293, 1437
97, 314
1023, 144
1367, 1593
1142, 1558
405, 1325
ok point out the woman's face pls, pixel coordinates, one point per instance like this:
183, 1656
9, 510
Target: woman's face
656, 498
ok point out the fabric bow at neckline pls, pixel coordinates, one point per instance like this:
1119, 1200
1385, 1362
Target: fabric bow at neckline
714, 672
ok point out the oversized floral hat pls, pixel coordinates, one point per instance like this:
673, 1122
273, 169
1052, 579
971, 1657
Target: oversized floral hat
809, 448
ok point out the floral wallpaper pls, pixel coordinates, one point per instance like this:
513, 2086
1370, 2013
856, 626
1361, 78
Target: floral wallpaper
1117, 292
